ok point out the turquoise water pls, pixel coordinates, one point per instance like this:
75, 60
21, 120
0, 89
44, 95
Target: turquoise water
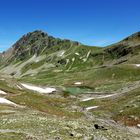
78, 90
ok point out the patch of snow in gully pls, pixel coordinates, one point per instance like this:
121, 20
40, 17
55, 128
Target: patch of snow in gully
39, 89
5, 101
91, 107
78, 83
2, 92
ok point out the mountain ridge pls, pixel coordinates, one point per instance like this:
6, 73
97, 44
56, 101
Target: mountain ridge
64, 54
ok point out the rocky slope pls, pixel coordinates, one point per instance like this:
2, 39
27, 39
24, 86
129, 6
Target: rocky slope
126, 49
40, 50
37, 51
65, 90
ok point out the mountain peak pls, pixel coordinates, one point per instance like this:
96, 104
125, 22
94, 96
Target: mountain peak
37, 32
36, 43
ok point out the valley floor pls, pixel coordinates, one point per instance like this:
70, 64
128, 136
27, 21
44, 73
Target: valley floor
71, 112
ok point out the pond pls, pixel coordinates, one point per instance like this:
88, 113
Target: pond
79, 90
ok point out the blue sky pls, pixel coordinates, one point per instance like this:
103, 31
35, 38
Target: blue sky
92, 22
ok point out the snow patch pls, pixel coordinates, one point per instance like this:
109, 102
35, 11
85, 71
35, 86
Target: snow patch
78, 83
39, 89
137, 65
2, 92
105, 96
5, 101
19, 87
37, 60
84, 59
61, 53
91, 107
87, 56
138, 125
73, 59
87, 99
77, 53
98, 97
67, 61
